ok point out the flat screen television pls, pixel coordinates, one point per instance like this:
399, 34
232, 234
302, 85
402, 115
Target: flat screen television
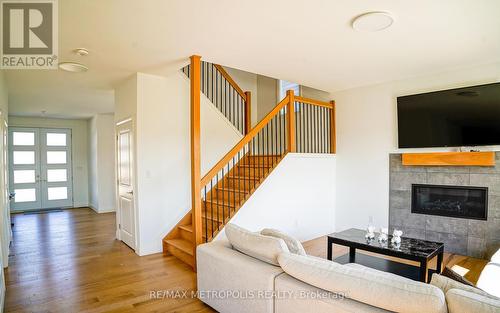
461, 117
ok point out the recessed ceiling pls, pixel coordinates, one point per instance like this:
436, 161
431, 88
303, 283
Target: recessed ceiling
309, 42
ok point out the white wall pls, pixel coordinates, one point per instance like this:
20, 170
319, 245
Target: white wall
163, 192
80, 146
367, 133
5, 230
93, 177
102, 163
298, 197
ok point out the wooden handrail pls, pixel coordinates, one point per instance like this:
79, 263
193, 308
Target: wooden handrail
248, 111
231, 81
251, 134
314, 102
333, 129
290, 118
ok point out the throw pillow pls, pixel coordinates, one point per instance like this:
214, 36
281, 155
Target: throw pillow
264, 248
293, 244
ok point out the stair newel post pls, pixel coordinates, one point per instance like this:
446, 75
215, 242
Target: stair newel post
248, 111
195, 151
333, 129
290, 116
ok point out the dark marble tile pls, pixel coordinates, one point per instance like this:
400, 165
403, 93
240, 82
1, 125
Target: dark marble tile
407, 219
403, 180
493, 206
486, 180
476, 247
492, 246
453, 243
400, 199
493, 228
477, 228
448, 179
413, 232
446, 225
448, 169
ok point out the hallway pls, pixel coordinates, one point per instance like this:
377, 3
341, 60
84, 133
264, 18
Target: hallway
69, 261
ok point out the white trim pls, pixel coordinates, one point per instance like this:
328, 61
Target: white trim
126, 120
100, 212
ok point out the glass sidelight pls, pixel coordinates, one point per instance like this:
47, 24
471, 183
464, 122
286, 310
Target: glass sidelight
40, 168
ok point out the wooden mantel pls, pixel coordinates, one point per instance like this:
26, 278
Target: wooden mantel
486, 158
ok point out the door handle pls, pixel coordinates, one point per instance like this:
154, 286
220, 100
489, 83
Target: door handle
130, 192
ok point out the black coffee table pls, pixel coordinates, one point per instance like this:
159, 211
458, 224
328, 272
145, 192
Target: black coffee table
418, 250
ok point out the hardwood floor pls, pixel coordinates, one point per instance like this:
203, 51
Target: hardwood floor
69, 261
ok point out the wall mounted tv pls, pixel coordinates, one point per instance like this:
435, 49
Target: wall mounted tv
461, 117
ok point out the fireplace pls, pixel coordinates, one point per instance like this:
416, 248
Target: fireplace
453, 201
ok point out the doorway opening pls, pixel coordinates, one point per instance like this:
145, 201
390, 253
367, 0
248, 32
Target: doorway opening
40, 168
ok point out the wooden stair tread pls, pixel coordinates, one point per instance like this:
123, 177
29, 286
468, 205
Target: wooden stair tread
188, 228
239, 183
214, 217
232, 190
181, 244
243, 177
220, 202
255, 166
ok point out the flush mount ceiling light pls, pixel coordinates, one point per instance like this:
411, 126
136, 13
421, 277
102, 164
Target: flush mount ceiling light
73, 67
81, 52
372, 21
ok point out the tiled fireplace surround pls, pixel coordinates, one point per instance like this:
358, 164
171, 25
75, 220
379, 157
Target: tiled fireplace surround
474, 238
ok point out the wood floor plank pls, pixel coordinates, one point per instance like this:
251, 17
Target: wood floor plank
69, 261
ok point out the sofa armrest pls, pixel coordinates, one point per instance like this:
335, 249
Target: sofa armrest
461, 301
230, 281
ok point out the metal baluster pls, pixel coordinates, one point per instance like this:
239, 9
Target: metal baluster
217, 89
309, 133
222, 182
205, 204
313, 110
211, 205
234, 190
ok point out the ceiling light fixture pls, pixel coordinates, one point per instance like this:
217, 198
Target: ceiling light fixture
372, 21
73, 67
82, 52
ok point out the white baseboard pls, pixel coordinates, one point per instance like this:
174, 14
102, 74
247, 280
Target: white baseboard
101, 211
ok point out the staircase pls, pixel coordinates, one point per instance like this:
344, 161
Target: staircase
220, 204
296, 124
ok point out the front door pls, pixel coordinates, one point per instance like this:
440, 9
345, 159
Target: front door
40, 168
125, 172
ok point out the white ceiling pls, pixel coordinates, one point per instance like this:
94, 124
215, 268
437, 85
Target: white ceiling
308, 41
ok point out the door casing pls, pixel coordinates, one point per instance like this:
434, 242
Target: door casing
125, 186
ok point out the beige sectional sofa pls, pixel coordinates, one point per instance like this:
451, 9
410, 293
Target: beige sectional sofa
231, 281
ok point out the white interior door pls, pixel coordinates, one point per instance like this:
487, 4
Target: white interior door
125, 190
40, 168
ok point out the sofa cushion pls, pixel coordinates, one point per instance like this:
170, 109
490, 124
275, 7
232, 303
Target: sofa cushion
370, 286
445, 283
495, 258
461, 301
489, 280
264, 248
293, 244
